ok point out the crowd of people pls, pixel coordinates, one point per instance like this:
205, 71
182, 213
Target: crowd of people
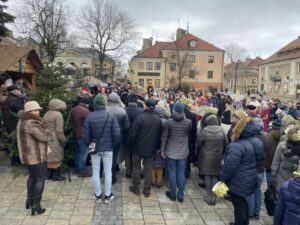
160, 136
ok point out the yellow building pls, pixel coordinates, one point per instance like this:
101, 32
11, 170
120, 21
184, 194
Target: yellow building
242, 75
279, 75
86, 60
188, 59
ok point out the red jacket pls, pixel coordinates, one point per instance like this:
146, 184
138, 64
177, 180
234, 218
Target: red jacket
79, 113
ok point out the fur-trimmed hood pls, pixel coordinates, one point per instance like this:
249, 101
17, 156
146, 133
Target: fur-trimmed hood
246, 127
28, 116
57, 105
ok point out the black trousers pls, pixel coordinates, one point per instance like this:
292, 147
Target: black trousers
241, 210
136, 171
36, 182
115, 158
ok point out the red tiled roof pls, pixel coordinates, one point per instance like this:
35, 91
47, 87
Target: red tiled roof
153, 51
182, 43
290, 51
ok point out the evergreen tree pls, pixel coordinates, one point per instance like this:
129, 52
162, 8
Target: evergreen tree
4, 18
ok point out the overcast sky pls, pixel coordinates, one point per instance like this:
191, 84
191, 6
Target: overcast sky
260, 26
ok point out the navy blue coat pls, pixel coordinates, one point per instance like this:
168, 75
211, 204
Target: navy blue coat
93, 125
287, 210
241, 158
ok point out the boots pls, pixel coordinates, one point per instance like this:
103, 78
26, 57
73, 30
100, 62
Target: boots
36, 207
49, 174
210, 198
56, 175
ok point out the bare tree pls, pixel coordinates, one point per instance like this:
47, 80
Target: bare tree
234, 52
45, 21
107, 27
181, 57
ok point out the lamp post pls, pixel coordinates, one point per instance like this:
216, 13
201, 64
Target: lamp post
235, 76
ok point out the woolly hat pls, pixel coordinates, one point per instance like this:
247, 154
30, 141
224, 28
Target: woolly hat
85, 100
240, 114
251, 106
150, 104
294, 134
212, 110
133, 98
31, 105
100, 102
277, 124
178, 107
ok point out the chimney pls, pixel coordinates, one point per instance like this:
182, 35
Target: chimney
147, 43
179, 33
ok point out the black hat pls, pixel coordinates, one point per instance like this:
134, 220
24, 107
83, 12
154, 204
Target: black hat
12, 88
251, 107
150, 103
85, 100
276, 124
133, 98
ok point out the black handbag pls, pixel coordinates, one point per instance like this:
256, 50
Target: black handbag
92, 145
270, 200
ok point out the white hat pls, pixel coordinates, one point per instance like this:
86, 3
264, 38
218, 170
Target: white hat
32, 105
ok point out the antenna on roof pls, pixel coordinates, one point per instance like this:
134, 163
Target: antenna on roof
187, 25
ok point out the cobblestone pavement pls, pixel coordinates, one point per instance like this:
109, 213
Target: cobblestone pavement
71, 203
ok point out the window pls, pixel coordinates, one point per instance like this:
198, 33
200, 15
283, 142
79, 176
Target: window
298, 67
173, 66
192, 58
210, 74
149, 65
211, 59
193, 43
254, 81
157, 65
192, 74
173, 56
141, 65
286, 70
157, 83
141, 83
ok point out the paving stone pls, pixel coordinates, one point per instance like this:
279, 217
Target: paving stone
57, 222
151, 210
64, 206
169, 207
35, 220
10, 222
193, 220
63, 214
80, 220
132, 207
175, 222
132, 215
172, 216
154, 219
210, 216
133, 222
83, 211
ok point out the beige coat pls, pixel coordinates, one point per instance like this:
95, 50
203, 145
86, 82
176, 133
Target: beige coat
32, 138
53, 120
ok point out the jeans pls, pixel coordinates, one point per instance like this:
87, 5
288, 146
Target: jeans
107, 164
268, 177
254, 200
128, 160
176, 176
36, 182
115, 157
210, 181
136, 171
241, 210
80, 156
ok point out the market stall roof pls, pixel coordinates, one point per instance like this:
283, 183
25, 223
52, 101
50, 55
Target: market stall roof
11, 57
90, 80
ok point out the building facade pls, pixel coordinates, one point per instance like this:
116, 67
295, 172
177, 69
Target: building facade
279, 75
86, 60
188, 59
242, 76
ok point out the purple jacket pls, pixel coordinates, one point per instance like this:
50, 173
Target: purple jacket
79, 113
287, 210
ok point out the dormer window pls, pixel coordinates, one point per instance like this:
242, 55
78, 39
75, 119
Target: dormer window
193, 43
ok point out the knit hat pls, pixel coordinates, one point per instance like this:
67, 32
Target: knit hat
212, 110
277, 124
294, 134
100, 102
178, 107
31, 105
150, 104
85, 100
133, 98
240, 114
251, 106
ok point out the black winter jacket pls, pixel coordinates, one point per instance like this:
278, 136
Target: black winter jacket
12, 104
144, 135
